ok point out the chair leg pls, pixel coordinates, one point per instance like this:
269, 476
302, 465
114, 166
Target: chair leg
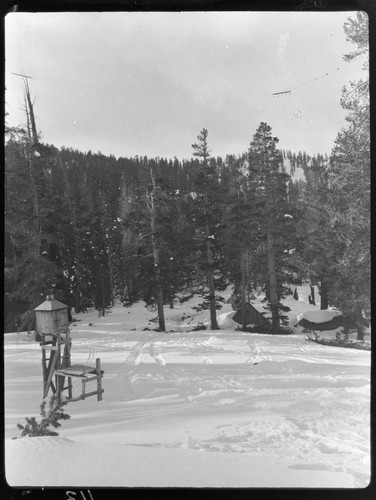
99, 380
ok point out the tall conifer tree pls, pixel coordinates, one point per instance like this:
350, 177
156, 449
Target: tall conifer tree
268, 181
207, 218
349, 178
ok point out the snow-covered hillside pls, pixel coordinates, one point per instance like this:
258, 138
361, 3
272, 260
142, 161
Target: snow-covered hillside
195, 408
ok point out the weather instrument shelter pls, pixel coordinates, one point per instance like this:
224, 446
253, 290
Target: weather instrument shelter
52, 331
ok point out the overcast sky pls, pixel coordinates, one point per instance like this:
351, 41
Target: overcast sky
147, 83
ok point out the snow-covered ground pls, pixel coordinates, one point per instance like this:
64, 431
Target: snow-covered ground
195, 408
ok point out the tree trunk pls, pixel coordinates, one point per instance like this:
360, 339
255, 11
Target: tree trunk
32, 138
312, 287
111, 273
267, 290
157, 271
360, 327
213, 310
77, 303
172, 291
161, 318
346, 331
324, 303
100, 292
77, 269
34, 190
243, 287
360, 333
273, 293
31, 112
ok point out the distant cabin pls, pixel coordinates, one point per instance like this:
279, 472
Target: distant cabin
252, 316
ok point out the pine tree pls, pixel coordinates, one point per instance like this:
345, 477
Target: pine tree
268, 181
50, 417
349, 179
178, 244
241, 233
153, 201
319, 247
133, 241
157, 236
208, 204
77, 230
29, 270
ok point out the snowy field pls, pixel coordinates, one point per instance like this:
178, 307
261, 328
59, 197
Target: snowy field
195, 408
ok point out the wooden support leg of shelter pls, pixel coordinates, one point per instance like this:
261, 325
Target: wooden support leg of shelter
44, 361
52, 320
99, 375
50, 371
55, 361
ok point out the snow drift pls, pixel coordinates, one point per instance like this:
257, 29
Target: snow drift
205, 408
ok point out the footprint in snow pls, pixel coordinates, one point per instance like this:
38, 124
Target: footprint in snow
160, 360
189, 444
130, 360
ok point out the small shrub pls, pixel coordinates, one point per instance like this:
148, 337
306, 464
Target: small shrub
198, 327
205, 305
104, 311
50, 417
338, 342
265, 330
254, 329
185, 298
283, 330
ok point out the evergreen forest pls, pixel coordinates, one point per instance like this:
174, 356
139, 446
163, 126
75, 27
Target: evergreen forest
93, 229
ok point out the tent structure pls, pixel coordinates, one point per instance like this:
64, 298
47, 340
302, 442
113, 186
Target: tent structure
252, 316
327, 320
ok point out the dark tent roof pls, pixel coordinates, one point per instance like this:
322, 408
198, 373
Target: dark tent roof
252, 316
336, 322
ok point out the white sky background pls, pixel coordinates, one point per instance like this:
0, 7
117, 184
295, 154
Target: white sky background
146, 83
